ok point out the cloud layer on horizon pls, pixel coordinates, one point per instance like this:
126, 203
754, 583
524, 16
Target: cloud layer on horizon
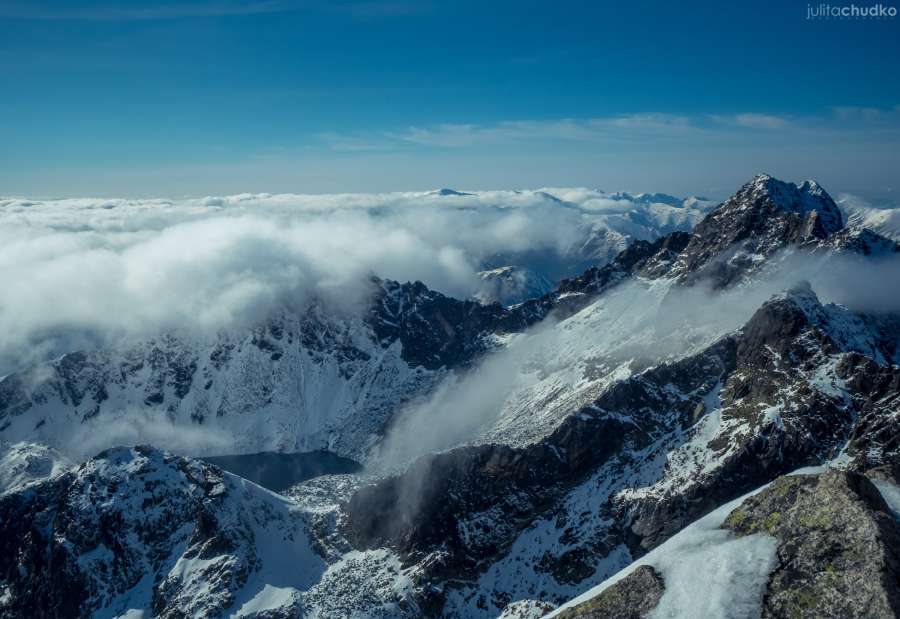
87, 272
82, 273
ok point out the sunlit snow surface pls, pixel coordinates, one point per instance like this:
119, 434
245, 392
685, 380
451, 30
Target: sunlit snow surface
709, 572
24, 463
885, 221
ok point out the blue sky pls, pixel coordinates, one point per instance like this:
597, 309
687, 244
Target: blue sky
224, 96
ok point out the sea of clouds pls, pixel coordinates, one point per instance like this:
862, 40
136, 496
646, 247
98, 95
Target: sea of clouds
82, 273
85, 273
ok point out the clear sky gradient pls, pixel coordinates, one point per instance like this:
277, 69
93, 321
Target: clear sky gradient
224, 96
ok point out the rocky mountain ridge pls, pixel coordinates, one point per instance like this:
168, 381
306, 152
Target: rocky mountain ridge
138, 530
782, 393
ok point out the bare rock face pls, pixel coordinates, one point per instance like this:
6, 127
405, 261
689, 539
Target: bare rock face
773, 416
633, 597
764, 216
875, 438
839, 546
470, 502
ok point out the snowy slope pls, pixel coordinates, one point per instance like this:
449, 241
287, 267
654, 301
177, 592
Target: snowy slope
297, 384
646, 315
136, 532
722, 410
24, 463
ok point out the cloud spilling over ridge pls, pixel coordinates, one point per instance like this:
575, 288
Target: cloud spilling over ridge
518, 394
80, 273
143, 427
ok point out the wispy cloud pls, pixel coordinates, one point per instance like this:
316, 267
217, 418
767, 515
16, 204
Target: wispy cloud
450, 135
655, 122
617, 128
350, 143
455, 135
752, 120
851, 113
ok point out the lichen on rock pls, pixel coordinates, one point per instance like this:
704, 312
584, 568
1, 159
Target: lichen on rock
839, 546
633, 597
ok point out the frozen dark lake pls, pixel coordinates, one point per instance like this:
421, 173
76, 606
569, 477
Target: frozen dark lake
280, 471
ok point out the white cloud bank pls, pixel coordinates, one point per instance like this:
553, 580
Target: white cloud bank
82, 272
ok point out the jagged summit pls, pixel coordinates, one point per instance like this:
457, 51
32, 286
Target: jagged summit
763, 217
802, 199
801, 290
801, 297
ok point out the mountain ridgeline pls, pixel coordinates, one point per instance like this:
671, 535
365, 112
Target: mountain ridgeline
612, 446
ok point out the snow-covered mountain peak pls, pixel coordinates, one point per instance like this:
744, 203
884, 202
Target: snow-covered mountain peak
764, 217
809, 196
801, 293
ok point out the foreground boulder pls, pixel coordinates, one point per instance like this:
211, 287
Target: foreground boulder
839, 546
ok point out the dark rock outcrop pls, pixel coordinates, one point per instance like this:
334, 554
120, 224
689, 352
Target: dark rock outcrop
434, 330
633, 597
875, 438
